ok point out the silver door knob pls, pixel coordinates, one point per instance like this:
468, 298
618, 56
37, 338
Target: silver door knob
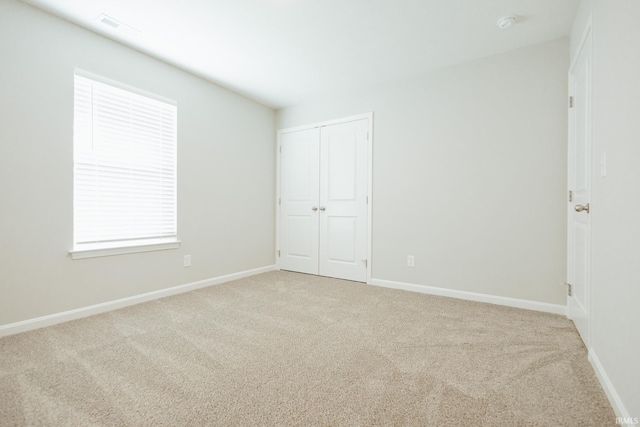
322, 208
580, 208
314, 208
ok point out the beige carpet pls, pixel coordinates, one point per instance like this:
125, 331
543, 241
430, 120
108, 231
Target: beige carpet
291, 349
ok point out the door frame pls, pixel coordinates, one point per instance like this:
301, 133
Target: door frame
348, 119
587, 35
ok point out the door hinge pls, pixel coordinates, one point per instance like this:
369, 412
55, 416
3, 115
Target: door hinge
366, 263
367, 199
571, 102
570, 196
569, 288
281, 149
278, 253
279, 201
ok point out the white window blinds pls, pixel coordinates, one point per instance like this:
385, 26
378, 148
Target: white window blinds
124, 167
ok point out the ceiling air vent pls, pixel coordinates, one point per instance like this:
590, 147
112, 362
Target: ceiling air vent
117, 25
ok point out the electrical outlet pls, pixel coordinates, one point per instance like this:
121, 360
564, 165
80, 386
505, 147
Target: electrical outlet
411, 261
187, 260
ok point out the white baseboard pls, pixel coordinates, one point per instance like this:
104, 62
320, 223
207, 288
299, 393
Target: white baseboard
472, 296
614, 399
53, 319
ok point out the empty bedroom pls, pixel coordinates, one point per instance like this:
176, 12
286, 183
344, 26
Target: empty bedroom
336, 213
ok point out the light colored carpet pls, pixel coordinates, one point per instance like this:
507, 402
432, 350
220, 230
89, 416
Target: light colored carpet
291, 349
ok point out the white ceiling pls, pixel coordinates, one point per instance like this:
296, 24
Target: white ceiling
280, 52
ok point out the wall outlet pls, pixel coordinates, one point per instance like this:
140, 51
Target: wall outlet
411, 261
187, 260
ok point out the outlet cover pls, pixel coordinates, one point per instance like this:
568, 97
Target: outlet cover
411, 261
187, 260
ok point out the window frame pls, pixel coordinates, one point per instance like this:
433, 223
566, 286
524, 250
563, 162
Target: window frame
122, 246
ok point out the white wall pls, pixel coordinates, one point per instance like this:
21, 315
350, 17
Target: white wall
226, 168
615, 276
469, 173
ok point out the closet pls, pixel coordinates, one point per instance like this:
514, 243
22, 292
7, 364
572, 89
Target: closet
323, 201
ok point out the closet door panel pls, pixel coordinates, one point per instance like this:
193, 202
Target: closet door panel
299, 194
343, 205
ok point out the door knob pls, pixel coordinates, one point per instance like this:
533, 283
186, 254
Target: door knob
580, 208
314, 208
322, 208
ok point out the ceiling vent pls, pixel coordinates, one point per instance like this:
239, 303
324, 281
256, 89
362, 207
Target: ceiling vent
506, 22
114, 24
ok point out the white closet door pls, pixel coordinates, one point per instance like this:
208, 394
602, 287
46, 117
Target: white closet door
579, 229
343, 200
299, 187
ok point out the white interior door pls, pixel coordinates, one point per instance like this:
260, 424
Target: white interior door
324, 207
579, 252
343, 200
299, 195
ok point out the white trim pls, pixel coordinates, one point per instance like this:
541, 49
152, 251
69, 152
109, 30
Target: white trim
347, 119
472, 296
120, 250
370, 196
280, 132
124, 86
53, 319
583, 40
278, 172
614, 399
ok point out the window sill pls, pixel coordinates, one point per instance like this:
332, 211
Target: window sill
102, 250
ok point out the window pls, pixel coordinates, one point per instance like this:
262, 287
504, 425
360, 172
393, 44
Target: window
124, 155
